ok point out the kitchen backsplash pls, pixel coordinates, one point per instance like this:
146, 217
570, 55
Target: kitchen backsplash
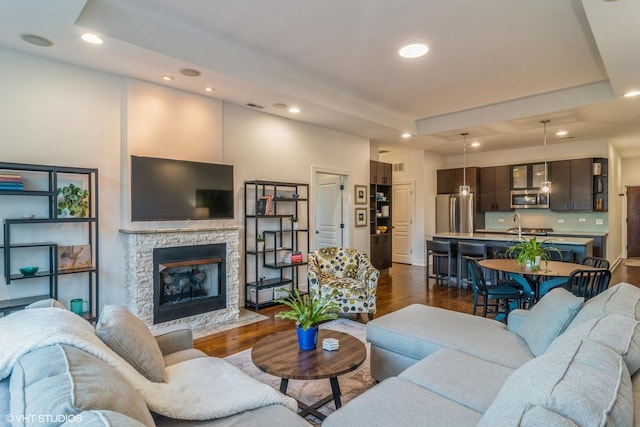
544, 218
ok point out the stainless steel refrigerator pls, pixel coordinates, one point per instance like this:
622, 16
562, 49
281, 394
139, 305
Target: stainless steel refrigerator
455, 213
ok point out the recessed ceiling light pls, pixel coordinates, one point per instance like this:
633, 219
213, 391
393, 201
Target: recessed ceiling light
209, 89
190, 72
475, 144
413, 50
36, 40
167, 78
561, 133
92, 38
632, 93
406, 135
294, 110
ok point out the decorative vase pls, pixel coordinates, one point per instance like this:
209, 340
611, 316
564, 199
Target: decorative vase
295, 225
260, 246
533, 264
307, 340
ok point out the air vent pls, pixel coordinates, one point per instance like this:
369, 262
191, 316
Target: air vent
398, 167
567, 137
252, 105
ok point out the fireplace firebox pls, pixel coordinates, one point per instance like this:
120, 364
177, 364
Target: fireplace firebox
188, 280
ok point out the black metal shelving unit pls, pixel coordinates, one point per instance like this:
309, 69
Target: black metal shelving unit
265, 271
47, 178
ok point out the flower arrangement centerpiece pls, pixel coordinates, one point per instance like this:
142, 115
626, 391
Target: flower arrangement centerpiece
308, 311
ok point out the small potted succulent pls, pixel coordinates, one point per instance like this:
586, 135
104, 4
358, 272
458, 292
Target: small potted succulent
73, 201
294, 222
308, 311
531, 252
260, 243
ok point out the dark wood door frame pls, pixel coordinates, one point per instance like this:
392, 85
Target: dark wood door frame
633, 222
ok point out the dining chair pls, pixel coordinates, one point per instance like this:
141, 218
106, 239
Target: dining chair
588, 283
496, 299
513, 280
596, 262
466, 250
440, 250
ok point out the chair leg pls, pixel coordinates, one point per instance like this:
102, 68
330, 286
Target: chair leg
475, 301
370, 316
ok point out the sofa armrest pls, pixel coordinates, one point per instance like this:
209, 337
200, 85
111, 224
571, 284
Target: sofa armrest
173, 338
367, 273
516, 319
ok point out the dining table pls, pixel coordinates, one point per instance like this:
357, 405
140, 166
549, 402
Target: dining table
531, 279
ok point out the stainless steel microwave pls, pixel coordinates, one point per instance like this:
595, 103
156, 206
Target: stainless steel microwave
529, 199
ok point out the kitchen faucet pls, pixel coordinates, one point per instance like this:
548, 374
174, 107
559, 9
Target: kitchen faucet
516, 217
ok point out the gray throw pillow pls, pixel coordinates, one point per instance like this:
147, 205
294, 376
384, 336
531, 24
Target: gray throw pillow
620, 333
128, 336
548, 319
64, 381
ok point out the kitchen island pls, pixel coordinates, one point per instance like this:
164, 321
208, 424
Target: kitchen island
580, 246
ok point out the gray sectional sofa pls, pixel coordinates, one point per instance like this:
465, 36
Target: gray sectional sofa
563, 363
63, 385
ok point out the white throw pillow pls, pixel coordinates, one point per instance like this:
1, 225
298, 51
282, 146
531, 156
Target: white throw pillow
549, 318
128, 336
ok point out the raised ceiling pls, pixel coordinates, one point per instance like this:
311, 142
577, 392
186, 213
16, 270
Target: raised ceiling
495, 68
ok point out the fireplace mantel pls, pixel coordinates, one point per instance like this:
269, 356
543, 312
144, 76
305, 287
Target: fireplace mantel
138, 264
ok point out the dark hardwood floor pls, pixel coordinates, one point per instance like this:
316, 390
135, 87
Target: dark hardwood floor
404, 285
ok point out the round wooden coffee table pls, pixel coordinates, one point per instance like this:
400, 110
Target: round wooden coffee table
279, 355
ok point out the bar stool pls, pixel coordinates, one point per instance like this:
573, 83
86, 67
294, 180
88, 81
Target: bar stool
467, 251
439, 250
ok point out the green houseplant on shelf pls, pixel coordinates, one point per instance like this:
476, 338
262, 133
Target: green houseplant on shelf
73, 200
308, 311
531, 252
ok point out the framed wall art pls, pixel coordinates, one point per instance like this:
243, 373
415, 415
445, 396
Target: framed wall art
361, 217
360, 194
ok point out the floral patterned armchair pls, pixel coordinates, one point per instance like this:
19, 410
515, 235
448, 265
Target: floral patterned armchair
349, 274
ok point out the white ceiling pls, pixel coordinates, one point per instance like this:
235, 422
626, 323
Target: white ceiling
495, 67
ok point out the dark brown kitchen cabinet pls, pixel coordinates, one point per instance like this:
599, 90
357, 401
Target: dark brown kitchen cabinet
449, 180
571, 185
380, 221
495, 188
381, 251
380, 173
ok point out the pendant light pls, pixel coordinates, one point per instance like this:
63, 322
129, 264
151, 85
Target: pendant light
545, 186
464, 188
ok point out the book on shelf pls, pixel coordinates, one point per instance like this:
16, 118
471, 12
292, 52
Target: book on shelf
293, 256
16, 186
264, 206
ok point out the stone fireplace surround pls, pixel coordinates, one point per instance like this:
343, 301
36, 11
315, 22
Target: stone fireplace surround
138, 264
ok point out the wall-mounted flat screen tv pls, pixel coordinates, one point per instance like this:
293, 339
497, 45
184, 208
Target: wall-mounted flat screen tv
170, 190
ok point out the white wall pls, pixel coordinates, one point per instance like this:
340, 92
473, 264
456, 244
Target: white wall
56, 114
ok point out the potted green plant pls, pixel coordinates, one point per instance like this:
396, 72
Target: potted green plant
294, 222
531, 252
260, 243
73, 201
308, 311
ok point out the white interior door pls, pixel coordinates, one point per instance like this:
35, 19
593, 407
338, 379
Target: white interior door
328, 211
402, 221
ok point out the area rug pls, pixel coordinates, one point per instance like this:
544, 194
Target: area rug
632, 263
351, 384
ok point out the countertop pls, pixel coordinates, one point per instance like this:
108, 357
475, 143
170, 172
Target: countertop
554, 233
513, 238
